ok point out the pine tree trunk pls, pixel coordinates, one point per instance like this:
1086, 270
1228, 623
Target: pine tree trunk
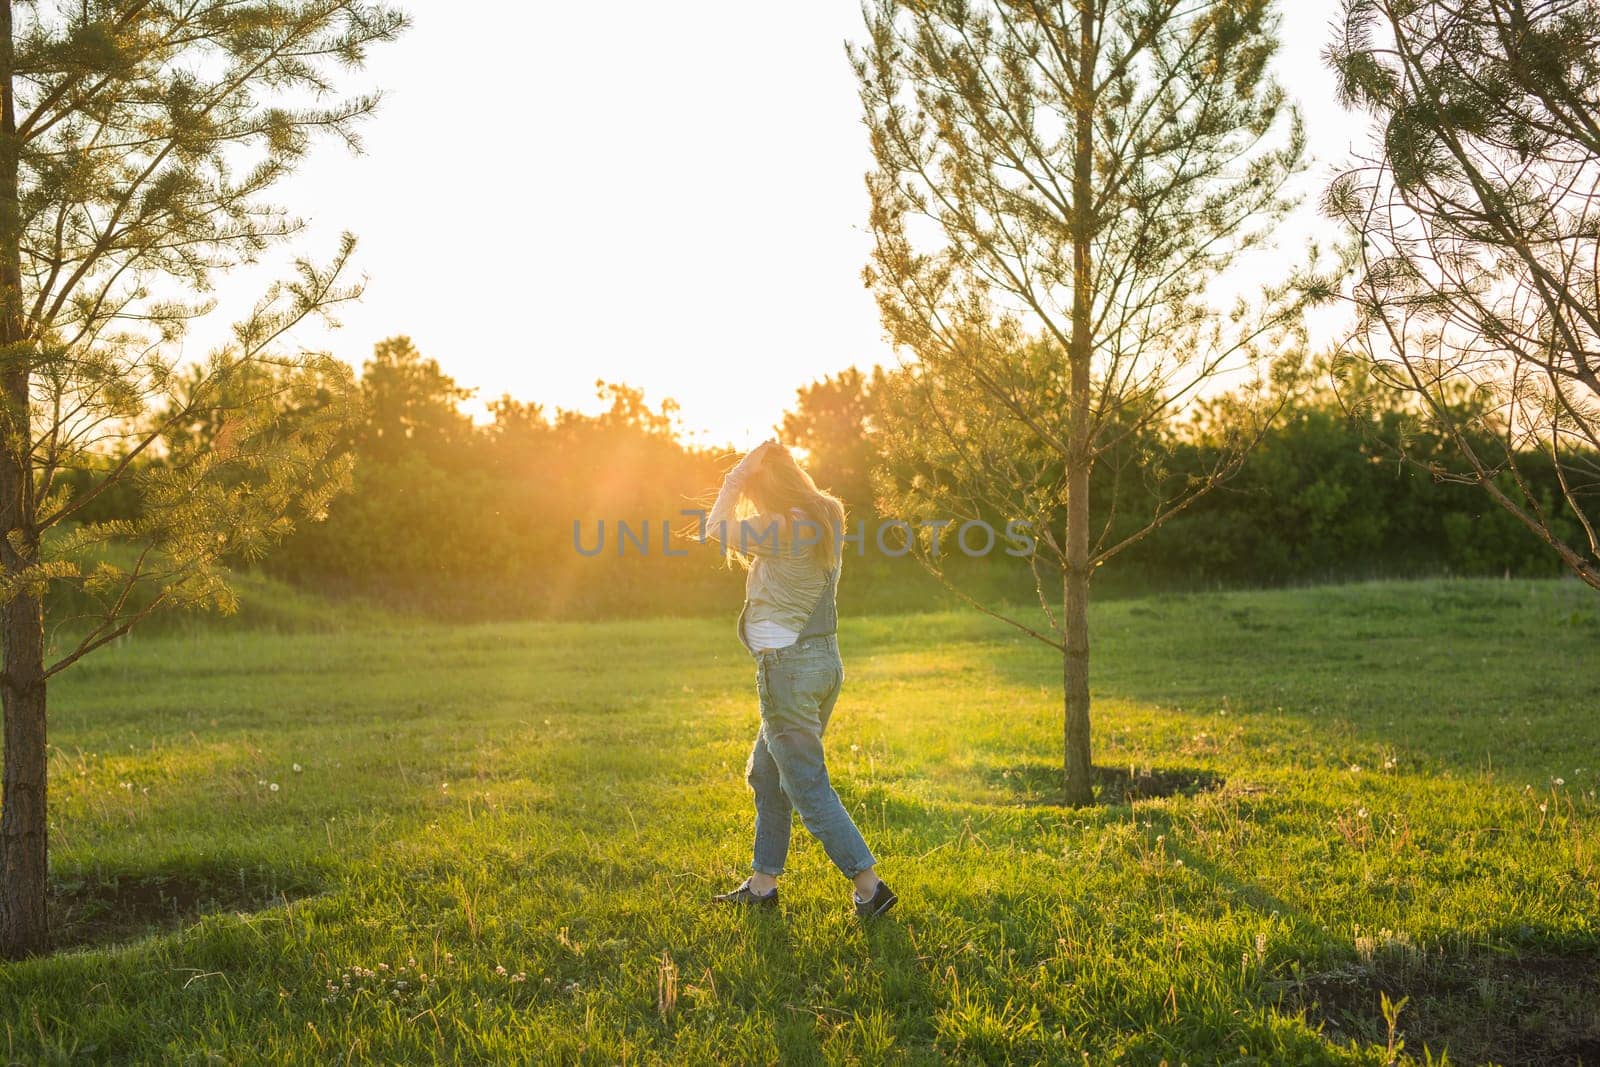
24, 869
1075, 685
24, 865
1075, 579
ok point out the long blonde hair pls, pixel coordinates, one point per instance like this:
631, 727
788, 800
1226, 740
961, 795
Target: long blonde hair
779, 485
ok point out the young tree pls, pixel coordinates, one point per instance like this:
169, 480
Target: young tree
1060, 192
1478, 219
137, 138
411, 406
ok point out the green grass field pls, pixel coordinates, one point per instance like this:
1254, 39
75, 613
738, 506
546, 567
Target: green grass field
264, 841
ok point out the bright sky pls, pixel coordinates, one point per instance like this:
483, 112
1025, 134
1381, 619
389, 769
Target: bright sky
664, 195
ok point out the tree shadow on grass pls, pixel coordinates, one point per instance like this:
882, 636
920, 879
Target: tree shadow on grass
1032, 783
1481, 1004
101, 906
1522, 996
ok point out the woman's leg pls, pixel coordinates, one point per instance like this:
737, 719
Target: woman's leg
865, 881
801, 695
773, 815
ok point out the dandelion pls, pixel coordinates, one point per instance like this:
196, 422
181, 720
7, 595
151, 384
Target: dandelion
1544, 806
273, 787
1355, 768
1178, 863
1559, 782
298, 768
1361, 813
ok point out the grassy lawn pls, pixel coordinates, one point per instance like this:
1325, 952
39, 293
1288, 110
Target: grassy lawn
262, 841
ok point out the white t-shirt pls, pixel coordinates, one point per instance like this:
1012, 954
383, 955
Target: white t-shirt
763, 635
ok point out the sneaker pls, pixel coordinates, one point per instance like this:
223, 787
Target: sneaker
883, 899
745, 895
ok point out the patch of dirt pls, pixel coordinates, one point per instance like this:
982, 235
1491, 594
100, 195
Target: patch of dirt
1480, 1007
1038, 783
104, 906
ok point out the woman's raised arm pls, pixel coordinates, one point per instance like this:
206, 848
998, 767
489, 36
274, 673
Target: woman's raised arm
720, 517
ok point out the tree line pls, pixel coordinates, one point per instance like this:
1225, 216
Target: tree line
466, 519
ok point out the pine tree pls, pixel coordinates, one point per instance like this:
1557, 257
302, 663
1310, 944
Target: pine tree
1478, 286
137, 141
1059, 190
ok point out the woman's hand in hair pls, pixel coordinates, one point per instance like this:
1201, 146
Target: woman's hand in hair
751, 461
756, 456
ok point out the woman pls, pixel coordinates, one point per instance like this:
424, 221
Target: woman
791, 551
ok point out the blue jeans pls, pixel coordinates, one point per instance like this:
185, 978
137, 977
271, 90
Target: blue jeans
799, 686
